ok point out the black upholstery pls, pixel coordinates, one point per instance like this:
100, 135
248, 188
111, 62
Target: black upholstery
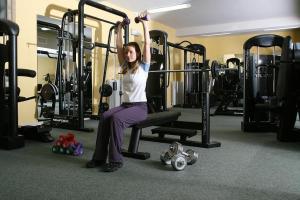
155, 119
23, 72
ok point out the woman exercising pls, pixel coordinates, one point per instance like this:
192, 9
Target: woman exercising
112, 123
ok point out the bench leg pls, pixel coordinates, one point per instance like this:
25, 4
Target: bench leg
134, 140
134, 145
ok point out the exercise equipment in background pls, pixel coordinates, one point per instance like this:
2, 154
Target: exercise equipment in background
9, 137
73, 73
227, 87
288, 92
260, 80
157, 83
12, 136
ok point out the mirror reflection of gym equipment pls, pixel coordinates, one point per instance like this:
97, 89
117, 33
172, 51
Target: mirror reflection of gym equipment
51, 61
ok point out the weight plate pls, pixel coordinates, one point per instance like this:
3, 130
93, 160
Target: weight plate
48, 91
192, 156
106, 90
175, 148
165, 158
178, 162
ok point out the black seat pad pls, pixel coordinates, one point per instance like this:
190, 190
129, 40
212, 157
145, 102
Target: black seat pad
155, 119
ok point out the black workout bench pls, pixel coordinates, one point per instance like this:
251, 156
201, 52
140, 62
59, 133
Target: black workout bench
153, 119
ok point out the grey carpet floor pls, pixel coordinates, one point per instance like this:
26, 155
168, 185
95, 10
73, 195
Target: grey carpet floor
247, 166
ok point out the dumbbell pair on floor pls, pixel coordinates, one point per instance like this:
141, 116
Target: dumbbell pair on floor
178, 158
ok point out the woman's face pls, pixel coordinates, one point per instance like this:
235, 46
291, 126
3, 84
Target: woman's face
130, 54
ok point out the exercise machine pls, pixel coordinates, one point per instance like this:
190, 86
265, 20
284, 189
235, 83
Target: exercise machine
227, 87
12, 136
71, 88
157, 83
288, 91
9, 138
260, 80
173, 127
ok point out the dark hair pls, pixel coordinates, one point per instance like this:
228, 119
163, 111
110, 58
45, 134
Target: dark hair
133, 65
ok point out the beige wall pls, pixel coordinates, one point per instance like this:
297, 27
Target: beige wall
26, 16
218, 46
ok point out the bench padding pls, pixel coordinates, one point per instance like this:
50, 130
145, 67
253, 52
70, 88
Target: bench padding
155, 119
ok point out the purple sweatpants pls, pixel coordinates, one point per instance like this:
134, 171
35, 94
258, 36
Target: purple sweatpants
111, 128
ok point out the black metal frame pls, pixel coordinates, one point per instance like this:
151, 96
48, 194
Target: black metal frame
230, 93
77, 123
161, 37
9, 138
197, 49
248, 124
80, 47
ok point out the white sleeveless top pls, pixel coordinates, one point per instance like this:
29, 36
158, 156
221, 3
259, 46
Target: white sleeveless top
134, 85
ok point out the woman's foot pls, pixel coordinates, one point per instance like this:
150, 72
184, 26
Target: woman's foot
94, 163
112, 166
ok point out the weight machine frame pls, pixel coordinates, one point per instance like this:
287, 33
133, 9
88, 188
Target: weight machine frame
249, 124
77, 123
198, 49
205, 124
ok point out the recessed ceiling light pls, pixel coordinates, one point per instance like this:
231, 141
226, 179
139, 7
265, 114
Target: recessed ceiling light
215, 34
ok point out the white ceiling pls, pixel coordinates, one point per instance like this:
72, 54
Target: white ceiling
221, 16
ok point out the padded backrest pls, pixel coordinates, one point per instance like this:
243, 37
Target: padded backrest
23, 72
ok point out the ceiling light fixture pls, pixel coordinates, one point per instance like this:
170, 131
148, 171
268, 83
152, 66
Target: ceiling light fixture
282, 28
216, 34
170, 8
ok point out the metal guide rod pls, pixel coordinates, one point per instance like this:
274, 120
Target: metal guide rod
180, 70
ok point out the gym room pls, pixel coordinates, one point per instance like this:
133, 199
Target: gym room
160, 99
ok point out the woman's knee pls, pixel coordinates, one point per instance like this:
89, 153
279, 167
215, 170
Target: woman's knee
116, 118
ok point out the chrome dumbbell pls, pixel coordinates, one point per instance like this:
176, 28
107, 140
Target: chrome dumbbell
174, 149
191, 156
165, 158
177, 157
179, 162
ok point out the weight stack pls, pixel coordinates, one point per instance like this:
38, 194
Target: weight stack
114, 99
177, 93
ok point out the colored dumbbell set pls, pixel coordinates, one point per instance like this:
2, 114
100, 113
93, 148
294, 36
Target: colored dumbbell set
67, 144
178, 158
